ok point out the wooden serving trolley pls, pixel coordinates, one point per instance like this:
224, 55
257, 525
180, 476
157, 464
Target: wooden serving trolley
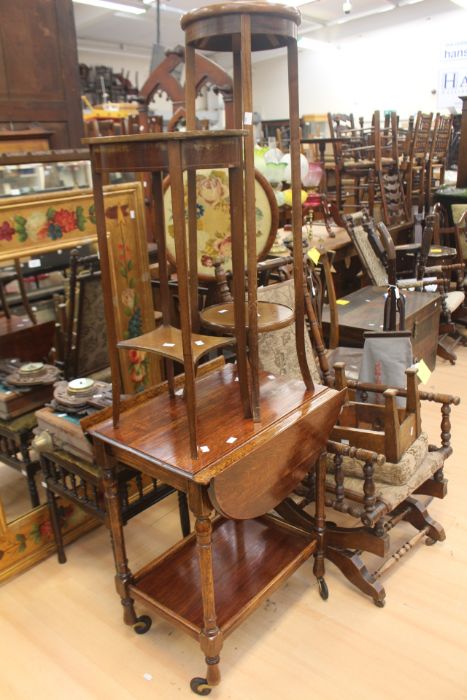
237, 440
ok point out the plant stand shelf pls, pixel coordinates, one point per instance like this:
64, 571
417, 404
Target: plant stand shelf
166, 341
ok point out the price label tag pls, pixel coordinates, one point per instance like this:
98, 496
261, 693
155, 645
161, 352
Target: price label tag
423, 372
436, 250
248, 118
34, 263
342, 302
314, 255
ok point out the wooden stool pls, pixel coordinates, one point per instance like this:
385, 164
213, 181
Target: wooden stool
80, 481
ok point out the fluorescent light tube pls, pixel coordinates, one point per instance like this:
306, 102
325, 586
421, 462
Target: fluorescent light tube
110, 5
461, 3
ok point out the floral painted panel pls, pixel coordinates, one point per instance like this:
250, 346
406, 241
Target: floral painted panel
36, 224
131, 291
213, 219
29, 539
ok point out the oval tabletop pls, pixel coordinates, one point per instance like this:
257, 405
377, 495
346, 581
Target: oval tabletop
213, 219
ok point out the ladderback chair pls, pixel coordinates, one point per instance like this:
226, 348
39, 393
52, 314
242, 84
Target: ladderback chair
414, 162
436, 164
353, 162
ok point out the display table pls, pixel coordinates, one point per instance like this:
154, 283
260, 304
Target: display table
209, 582
363, 311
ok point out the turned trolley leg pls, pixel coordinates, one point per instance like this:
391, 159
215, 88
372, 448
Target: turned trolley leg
115, 524
211, 636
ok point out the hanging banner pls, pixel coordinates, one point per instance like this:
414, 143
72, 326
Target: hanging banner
452, 82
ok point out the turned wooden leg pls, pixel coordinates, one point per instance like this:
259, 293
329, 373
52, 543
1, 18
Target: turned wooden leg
211, 636
320, 526
114, 520
33, 493
55, 521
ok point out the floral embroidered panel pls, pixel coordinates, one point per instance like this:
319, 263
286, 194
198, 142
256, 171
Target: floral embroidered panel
213, 219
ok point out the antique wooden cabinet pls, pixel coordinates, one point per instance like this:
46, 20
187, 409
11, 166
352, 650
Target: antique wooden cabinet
39, 79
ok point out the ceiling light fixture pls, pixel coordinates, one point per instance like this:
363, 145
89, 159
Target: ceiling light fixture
110, 5
460, 3
347, 7
360, 15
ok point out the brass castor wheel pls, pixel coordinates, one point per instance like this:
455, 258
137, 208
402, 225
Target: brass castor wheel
200, 686
430, 541
323, 589
380, 603
142, 624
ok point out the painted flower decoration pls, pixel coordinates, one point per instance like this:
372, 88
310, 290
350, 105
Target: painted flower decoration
136, 356
66, 220
45, 529
128, 298
123, 251
54, 232
138, 373
224, 246
207, 261
6, 231
210, 189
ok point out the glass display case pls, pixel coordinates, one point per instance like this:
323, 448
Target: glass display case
48, 171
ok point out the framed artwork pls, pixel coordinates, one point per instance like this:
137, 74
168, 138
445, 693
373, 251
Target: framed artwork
131, 283
213, 215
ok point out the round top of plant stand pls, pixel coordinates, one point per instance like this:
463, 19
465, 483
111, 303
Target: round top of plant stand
213, 27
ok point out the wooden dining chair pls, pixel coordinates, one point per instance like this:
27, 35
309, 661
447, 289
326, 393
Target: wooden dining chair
413, 164
437, 155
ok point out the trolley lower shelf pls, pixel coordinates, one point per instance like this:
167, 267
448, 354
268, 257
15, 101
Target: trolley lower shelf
250, 560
